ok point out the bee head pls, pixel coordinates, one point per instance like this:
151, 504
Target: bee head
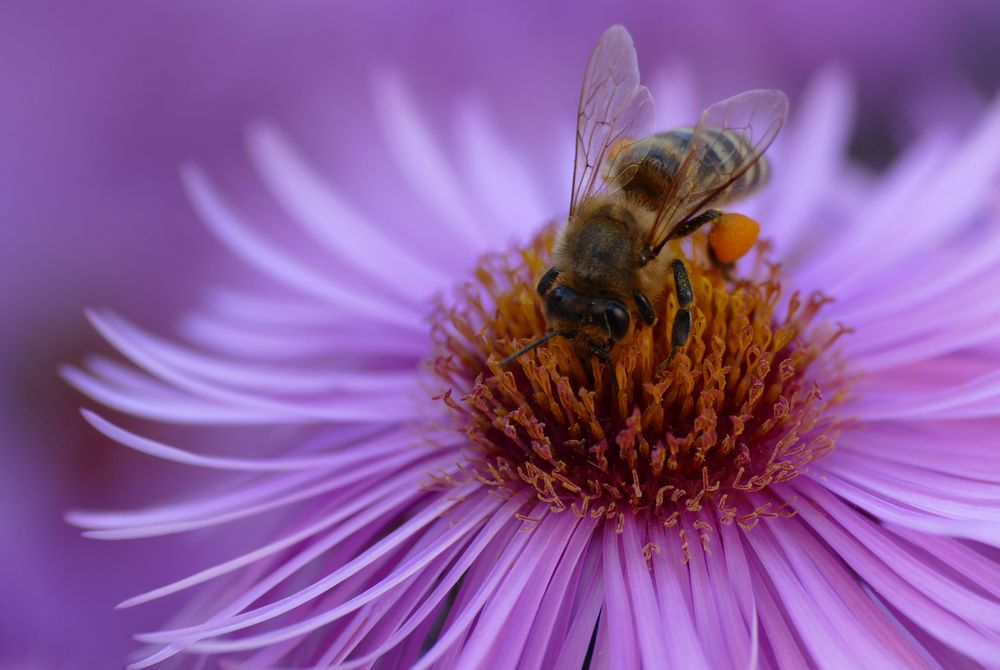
570, 311
593, 324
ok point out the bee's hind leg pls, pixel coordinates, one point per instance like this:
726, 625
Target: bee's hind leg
683, 229
681, 330
687, 227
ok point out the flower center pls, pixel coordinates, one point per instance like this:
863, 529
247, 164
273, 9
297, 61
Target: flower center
744, 404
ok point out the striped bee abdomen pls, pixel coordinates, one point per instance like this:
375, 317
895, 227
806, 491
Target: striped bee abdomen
725, 154
647, 169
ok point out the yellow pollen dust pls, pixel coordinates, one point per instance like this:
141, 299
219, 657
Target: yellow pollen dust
746, 403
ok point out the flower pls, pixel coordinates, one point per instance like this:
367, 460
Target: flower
846, 517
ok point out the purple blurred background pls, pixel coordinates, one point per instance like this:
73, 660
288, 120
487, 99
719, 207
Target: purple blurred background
102, 101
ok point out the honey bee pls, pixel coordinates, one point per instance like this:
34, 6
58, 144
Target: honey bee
634, 192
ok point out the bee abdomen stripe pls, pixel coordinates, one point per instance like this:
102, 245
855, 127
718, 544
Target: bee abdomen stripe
736, 150
722, 152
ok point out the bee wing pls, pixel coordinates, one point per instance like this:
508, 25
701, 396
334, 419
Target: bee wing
713, 161
615, 109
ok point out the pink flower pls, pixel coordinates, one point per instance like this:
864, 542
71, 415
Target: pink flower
374, 533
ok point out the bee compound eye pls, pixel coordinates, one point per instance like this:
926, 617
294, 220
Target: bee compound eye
557, 297
618, 319
559, 303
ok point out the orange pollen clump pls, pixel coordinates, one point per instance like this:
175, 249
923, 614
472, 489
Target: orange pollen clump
744, 404
732, 236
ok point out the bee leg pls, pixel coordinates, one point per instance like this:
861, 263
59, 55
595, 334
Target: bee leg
681, 330
645, 308
682, 320
684, 229
685, 298
547, 280
691, 225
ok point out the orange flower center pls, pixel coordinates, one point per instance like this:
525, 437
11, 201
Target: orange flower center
744, 404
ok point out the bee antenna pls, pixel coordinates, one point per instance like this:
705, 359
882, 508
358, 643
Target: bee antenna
539, 341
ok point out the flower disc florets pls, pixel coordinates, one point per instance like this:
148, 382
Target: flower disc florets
744, 404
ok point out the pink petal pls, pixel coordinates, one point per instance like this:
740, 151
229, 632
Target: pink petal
231, 229
419, 157
898, 577
337, 226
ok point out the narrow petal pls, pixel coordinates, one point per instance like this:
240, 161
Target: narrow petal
858, 620
725, 635
498, 539
781, 646
167, 452
272, 379
588, 603
844, 254
907, 294
803, 600
338, 227
516, 564
242, 494
734, 567
964, 498
970, 171
970, 451
198, 638
421, 160
497, 641
503, 182
673, 587
294, 496
814, 147
966, 561
236, 339
145, 353
168, 406
223, 220
901, 583
557, 604
892, 511
974, 399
